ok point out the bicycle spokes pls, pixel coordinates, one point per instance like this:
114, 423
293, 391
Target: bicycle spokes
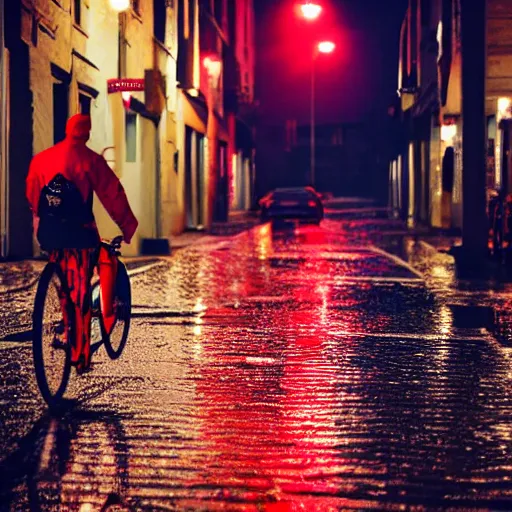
51, 336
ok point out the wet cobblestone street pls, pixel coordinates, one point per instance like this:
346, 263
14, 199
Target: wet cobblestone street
304, 369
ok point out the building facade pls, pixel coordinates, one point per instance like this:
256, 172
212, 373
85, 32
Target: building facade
152, 79
426, 174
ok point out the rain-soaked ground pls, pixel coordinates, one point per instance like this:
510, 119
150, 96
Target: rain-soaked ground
303, 369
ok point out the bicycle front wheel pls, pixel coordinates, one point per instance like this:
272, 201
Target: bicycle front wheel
116, 340
52, 332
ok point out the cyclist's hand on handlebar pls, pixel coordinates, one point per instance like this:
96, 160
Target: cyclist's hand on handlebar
116, 242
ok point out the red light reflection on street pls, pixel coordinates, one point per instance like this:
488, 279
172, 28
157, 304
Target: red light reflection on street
269, 412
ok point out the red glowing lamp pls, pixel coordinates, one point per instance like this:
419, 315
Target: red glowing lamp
310, 11
213, 65
326, 47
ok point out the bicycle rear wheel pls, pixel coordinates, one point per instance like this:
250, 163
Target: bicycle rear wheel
116, 340
50, 342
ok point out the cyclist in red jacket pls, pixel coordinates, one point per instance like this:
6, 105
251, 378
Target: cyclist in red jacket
59, 188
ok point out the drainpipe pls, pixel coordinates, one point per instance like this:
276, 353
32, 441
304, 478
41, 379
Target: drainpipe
3, 138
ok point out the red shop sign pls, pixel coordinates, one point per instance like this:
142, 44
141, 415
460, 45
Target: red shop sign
125, 84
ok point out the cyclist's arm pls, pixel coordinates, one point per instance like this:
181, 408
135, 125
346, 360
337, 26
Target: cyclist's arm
111, 193
33, 186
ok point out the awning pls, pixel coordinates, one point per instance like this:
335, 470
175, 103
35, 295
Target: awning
195, 113
427, 101
222, 131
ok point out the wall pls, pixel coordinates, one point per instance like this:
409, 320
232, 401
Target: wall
58, 48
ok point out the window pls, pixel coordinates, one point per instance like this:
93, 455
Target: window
131, 137
81, 13
78, 12
159, 14
84, 102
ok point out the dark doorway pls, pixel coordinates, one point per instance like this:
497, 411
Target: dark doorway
85, 104
201, 190
60, 110
189, 195
20, 149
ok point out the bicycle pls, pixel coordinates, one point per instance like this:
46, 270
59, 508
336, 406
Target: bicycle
500, 218
48, 323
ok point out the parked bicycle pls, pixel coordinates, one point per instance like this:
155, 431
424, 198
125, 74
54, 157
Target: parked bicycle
52, 359
500, 219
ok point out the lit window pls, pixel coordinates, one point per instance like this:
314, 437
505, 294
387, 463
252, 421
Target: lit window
131, 137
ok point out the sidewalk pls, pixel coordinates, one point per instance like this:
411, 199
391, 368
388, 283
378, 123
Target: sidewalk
16, 276
484, 303
23, 274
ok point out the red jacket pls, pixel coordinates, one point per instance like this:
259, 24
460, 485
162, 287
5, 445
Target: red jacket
86, 169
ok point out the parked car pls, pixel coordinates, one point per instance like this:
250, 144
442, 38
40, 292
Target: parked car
300, 203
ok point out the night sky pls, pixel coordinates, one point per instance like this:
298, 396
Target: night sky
358, 79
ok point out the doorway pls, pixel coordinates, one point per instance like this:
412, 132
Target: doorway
194, 179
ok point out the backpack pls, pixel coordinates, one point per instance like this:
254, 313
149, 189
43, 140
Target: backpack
66, 221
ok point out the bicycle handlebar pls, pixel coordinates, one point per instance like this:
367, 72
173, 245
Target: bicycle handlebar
116, 242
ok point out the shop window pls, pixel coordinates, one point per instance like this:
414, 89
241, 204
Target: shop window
84, 102
131, 137
159, 14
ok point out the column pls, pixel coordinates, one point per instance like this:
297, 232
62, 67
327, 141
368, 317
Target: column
474, 231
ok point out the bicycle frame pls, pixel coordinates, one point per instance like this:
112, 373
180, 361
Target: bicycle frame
102, 302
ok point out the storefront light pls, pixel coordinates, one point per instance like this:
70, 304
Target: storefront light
213, 65
120, 5
504, 108
127, 98
448, 132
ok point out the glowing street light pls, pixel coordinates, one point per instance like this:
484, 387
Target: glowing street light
321, 47
326, 47
310, 11
120, 5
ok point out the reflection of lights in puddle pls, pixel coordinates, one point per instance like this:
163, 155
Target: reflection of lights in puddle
86, 507
440, 271
264, 231
445, 320
261, 361
199, 307
323, 291
198, 320
198, 330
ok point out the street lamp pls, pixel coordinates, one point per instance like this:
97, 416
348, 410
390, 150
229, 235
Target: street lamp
322, 47
120, 5
310, 11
